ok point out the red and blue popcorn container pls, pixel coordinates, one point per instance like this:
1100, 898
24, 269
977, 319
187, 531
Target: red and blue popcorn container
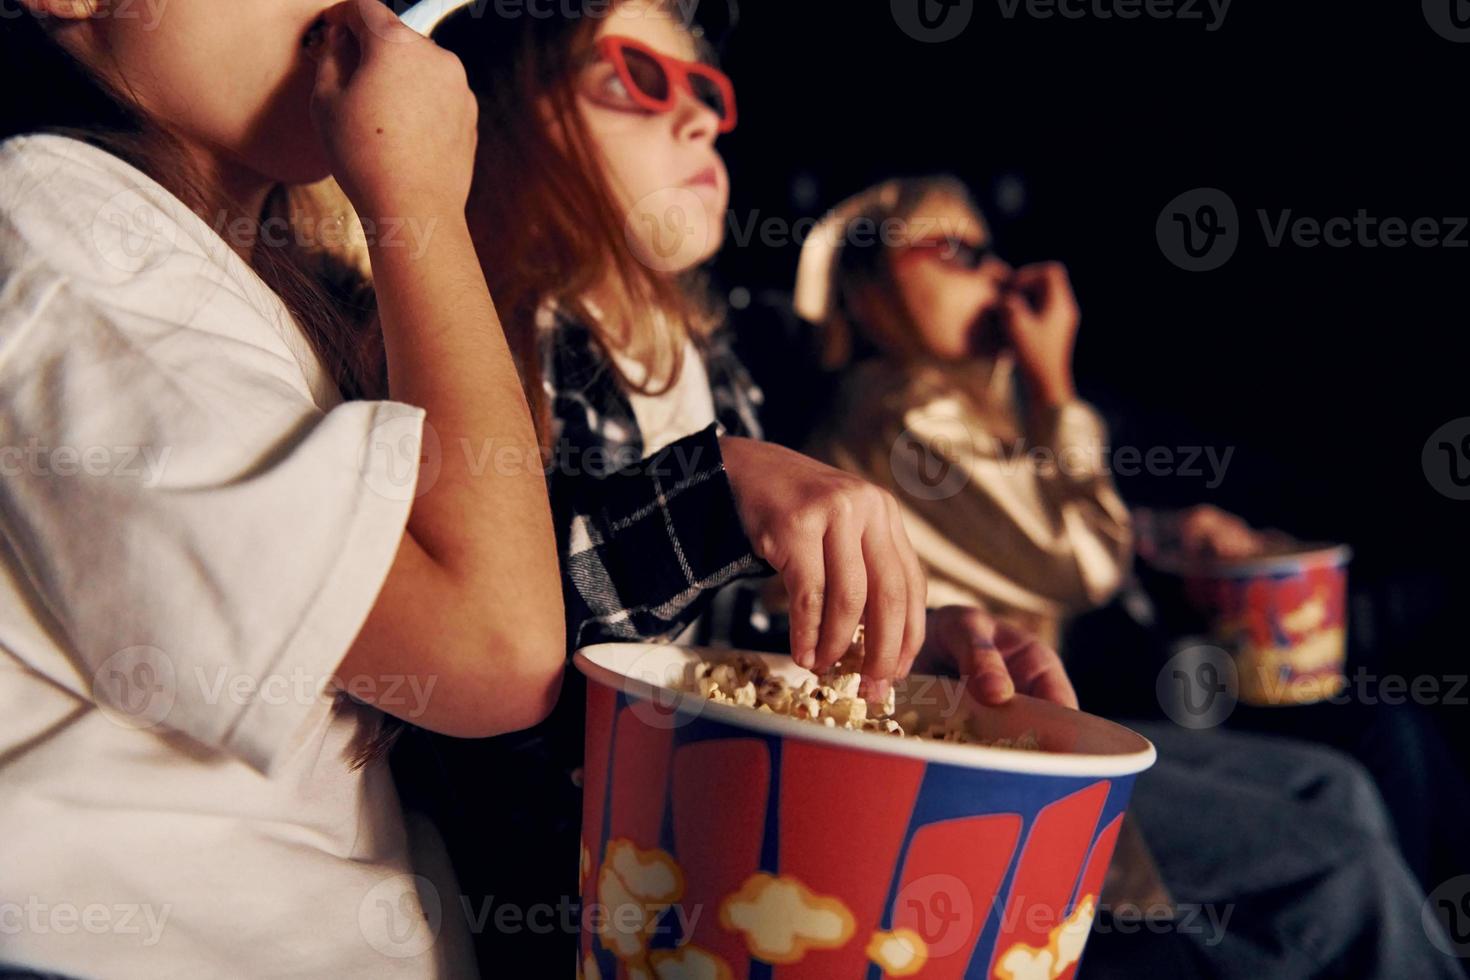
1282, 617
723, 843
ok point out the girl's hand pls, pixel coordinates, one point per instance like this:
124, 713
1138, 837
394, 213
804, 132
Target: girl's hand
1041, 318
395, 114
1208, 532
839, 545
996, 658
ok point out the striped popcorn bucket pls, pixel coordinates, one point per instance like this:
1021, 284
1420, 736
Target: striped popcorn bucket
1282, 617
723, 843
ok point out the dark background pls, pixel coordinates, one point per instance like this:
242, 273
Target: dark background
1326, 369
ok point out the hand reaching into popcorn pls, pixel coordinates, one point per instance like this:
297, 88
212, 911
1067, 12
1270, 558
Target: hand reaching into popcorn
1203, 533
998, 658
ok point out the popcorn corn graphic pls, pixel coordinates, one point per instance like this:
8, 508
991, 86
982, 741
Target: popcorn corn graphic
623, 932
1308, 616
652, 875
690, 962
782, 919
634, 879
900, 953
1072, 935
1022, 962
1063, 948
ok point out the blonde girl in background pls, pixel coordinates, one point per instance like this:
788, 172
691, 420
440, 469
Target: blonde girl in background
1008, 504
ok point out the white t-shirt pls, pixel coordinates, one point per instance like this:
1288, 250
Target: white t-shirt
686, 408
192, 531
683, 410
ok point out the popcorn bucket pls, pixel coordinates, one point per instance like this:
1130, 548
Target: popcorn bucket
724, 843
1282, 617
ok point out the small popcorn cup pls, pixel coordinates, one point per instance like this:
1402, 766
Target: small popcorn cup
725, 843
1282, 617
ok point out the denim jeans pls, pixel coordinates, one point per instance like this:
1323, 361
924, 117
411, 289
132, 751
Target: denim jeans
1282, 860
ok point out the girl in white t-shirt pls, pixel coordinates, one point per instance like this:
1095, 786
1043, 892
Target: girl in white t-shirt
214, 573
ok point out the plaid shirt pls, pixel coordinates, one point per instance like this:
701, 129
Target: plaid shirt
644, 543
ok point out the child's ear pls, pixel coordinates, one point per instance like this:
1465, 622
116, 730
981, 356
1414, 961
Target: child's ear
64, 9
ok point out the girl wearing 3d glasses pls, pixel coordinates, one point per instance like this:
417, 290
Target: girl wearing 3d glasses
599, 194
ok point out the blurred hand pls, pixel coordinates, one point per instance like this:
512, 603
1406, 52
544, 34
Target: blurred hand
395, 114
1209, 532
840, 548
1040, 316
996, 658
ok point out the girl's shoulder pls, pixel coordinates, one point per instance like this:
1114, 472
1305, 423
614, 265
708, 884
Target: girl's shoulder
83, 211
880, 399
48, 164
882, 388
868, 405
122, 265
92, 217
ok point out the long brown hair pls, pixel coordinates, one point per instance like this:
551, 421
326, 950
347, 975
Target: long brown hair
542, 211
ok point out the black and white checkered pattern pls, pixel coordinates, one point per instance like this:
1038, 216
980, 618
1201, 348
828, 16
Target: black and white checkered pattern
644, 549
644, 543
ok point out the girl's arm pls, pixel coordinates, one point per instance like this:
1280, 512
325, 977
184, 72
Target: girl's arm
1093, 529
1086, 546
473, 601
